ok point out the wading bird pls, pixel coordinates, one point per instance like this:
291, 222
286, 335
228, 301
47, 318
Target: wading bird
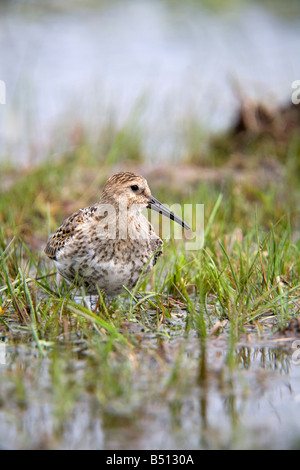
110, 244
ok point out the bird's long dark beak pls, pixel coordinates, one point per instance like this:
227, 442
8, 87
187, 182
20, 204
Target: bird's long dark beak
161, 209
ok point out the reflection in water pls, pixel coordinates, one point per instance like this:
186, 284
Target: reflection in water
226, 396
193, 398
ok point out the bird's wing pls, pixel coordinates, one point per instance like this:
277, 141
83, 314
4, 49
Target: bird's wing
67, 229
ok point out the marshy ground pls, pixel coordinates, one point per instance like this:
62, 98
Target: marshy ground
203, 354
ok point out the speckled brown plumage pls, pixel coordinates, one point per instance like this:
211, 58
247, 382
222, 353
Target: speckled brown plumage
110, 244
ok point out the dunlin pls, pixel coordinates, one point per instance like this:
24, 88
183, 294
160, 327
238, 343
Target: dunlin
110, 244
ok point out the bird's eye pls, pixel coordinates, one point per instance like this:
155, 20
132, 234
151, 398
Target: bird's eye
134, 187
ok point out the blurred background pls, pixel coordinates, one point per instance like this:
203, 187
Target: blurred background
166, 69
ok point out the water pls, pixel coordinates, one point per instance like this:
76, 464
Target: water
156, 64
201, 403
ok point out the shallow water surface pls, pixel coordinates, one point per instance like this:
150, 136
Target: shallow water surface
170, 393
